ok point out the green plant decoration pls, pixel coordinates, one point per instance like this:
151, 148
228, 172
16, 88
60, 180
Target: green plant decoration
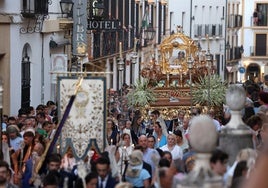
213, 85
141, 95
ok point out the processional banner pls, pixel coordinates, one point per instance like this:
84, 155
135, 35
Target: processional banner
85, 126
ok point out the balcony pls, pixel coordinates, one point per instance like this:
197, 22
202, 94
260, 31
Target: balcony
257, 51
234, 21
234, 53
260, 24
212, 30
31, 8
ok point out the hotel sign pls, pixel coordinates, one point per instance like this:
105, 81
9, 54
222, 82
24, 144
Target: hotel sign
104, 25
80, 27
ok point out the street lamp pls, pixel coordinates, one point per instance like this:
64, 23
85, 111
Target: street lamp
120, 66
190, 66
149, 32
133, 58
209, 59
66, 7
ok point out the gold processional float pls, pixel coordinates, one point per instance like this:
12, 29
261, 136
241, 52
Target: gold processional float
173, 78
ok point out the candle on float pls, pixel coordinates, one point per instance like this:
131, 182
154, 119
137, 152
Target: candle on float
120, 50
125, 153
135, 44
111, 141
58, 148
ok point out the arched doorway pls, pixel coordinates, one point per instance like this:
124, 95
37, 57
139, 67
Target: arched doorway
25, 78
253, 71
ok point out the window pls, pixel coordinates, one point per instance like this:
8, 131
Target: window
262, 14
32, 7
261, 45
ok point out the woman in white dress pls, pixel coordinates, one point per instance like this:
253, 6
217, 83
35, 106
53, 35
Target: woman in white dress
172, 147
124, 150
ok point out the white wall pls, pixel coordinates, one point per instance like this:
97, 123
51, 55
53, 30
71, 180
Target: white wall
37, 48
10, 6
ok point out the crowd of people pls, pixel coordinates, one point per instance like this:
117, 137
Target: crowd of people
139, 153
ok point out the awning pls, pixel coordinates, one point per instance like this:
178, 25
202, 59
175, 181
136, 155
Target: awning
56, 44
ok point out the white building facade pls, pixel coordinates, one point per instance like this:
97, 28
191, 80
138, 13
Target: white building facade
253, 37
26, 63
199, 19
32, 49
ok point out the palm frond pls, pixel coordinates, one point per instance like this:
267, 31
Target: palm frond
212, 86
141, 95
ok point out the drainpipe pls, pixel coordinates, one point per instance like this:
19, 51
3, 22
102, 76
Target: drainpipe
225, 37
191, 14
42, 72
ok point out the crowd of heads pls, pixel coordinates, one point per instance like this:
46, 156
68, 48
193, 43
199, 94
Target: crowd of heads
143, 150
163, 135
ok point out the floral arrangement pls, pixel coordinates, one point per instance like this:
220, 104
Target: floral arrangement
142, 94
212, 86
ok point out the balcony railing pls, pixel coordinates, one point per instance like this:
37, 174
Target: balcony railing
234, 20
260, 23
252, 50
234, 53
212, 30
257, 51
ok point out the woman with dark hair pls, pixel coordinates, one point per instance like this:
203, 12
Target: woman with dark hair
6, 147
263, 98
131, 114
240, 173
160, 138
137, 126
255, 124
181, 141
112, 133
5, 138
218, 162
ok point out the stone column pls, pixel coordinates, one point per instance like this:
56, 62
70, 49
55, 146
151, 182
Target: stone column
203, 139
236, 135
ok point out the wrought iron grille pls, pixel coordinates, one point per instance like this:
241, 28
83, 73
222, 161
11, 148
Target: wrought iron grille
25, 81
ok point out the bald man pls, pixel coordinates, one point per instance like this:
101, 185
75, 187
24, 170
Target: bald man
150, 155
